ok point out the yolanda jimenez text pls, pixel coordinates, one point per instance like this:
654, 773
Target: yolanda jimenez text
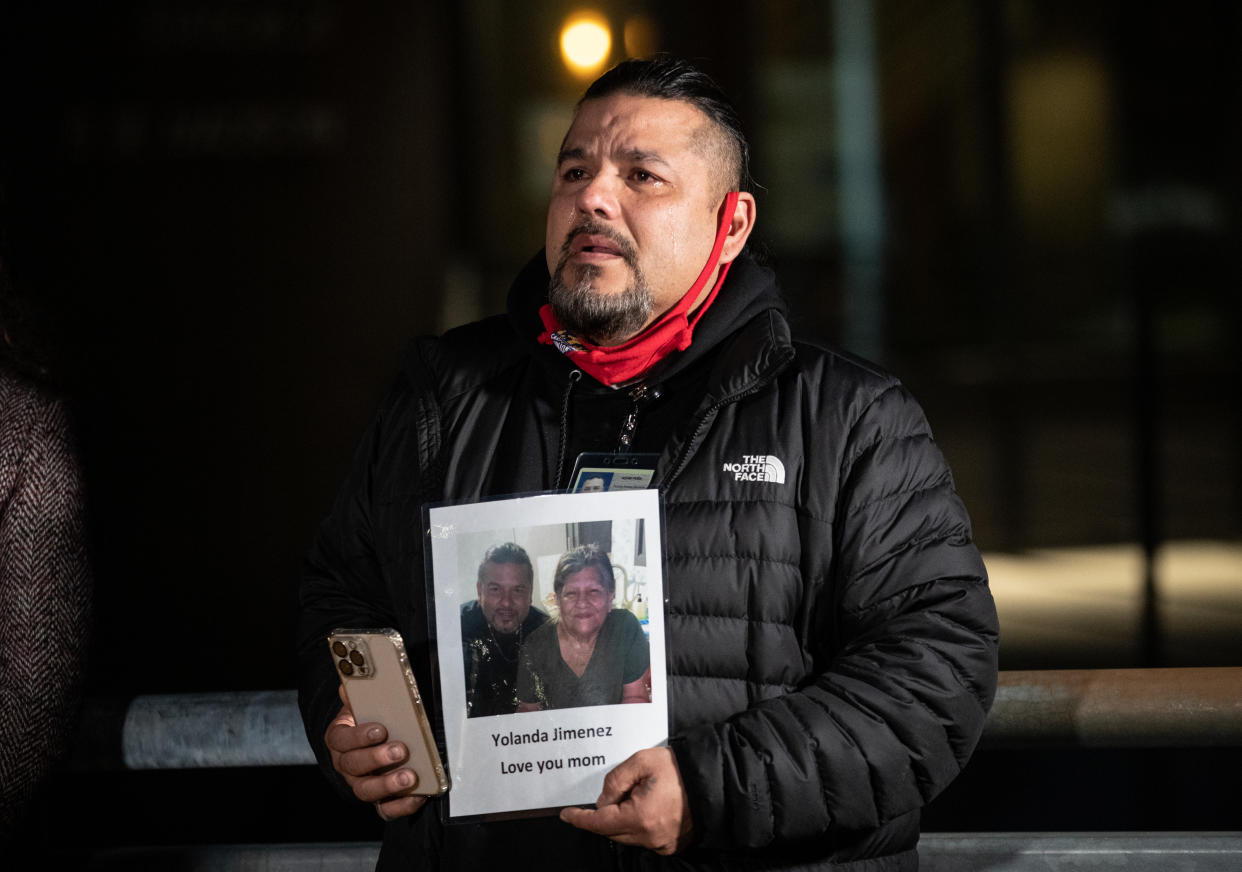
559, 734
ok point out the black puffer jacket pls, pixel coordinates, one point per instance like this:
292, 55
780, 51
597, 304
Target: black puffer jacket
831, 637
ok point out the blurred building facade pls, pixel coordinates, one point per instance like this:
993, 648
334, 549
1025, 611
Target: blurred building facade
232, 217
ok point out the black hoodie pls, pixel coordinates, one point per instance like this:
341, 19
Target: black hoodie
571, 412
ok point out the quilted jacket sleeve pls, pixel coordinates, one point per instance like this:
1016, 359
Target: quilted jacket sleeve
344, 582
898, 695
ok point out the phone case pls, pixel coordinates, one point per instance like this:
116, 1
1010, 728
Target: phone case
380, 685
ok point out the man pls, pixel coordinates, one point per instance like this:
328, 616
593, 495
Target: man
831, 637
493, 628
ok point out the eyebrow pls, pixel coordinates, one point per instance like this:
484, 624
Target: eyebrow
569, 154
636, 155
633, 155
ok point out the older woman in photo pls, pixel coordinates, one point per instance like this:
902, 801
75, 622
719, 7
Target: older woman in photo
592, 654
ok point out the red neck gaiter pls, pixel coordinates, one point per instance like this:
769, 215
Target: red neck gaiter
672, 331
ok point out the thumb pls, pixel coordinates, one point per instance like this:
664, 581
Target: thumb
620, 781
346, 714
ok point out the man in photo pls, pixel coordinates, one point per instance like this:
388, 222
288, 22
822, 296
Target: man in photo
594, 484
831, 639
493, 628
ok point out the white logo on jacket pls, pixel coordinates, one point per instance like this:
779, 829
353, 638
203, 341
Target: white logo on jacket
757, 467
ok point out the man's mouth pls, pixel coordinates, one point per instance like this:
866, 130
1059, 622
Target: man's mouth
593, 243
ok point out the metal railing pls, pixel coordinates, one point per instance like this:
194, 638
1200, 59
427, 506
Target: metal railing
1110, 708
1097, 708
938, 852
1117, 708
1080, 852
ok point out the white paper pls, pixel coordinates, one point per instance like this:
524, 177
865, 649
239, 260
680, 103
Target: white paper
543, 759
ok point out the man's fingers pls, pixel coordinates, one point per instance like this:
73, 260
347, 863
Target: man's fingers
346, 714
372, 760
620, 781
609, 820
617, 822
362, 754
643, 803
365, 757
342, 735
382, 788
399, 807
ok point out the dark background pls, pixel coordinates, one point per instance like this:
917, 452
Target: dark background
228, 219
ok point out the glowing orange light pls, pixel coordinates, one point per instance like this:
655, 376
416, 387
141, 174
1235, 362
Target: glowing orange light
586, 41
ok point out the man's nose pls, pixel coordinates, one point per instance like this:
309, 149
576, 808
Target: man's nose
598, 197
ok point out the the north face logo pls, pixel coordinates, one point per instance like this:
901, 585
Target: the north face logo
757, 467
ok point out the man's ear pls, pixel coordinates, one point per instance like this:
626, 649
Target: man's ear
743, 221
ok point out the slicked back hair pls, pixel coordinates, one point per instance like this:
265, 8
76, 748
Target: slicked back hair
671, 78
509, 552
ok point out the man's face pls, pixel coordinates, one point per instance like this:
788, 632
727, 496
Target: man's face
633, 215
504, 595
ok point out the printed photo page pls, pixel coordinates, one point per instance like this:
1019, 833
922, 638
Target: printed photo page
550, 622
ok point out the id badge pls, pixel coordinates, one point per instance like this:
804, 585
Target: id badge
597, 471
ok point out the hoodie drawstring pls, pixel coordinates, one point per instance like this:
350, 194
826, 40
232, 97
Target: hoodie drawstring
574, 376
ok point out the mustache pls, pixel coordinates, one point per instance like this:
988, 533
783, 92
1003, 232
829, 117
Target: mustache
594, 228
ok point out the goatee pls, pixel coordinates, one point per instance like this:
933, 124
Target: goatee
599, 318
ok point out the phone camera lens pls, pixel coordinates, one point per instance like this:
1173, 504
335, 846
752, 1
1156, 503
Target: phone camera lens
357, 658
339, 649
346, 667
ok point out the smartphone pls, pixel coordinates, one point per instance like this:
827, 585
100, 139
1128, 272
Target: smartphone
380, 685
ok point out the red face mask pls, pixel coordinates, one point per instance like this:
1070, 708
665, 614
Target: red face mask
672, 331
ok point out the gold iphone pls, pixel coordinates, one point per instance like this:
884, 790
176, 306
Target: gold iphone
380, 685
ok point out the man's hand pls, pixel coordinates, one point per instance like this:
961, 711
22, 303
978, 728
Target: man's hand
643, 803
368, 764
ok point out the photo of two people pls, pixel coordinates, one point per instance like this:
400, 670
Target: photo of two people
581, 643
545, 639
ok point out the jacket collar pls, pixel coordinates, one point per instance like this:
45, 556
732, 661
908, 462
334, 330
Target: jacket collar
745, 328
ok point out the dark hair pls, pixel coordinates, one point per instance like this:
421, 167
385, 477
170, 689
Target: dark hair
580, 558
508, 552
671, 78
